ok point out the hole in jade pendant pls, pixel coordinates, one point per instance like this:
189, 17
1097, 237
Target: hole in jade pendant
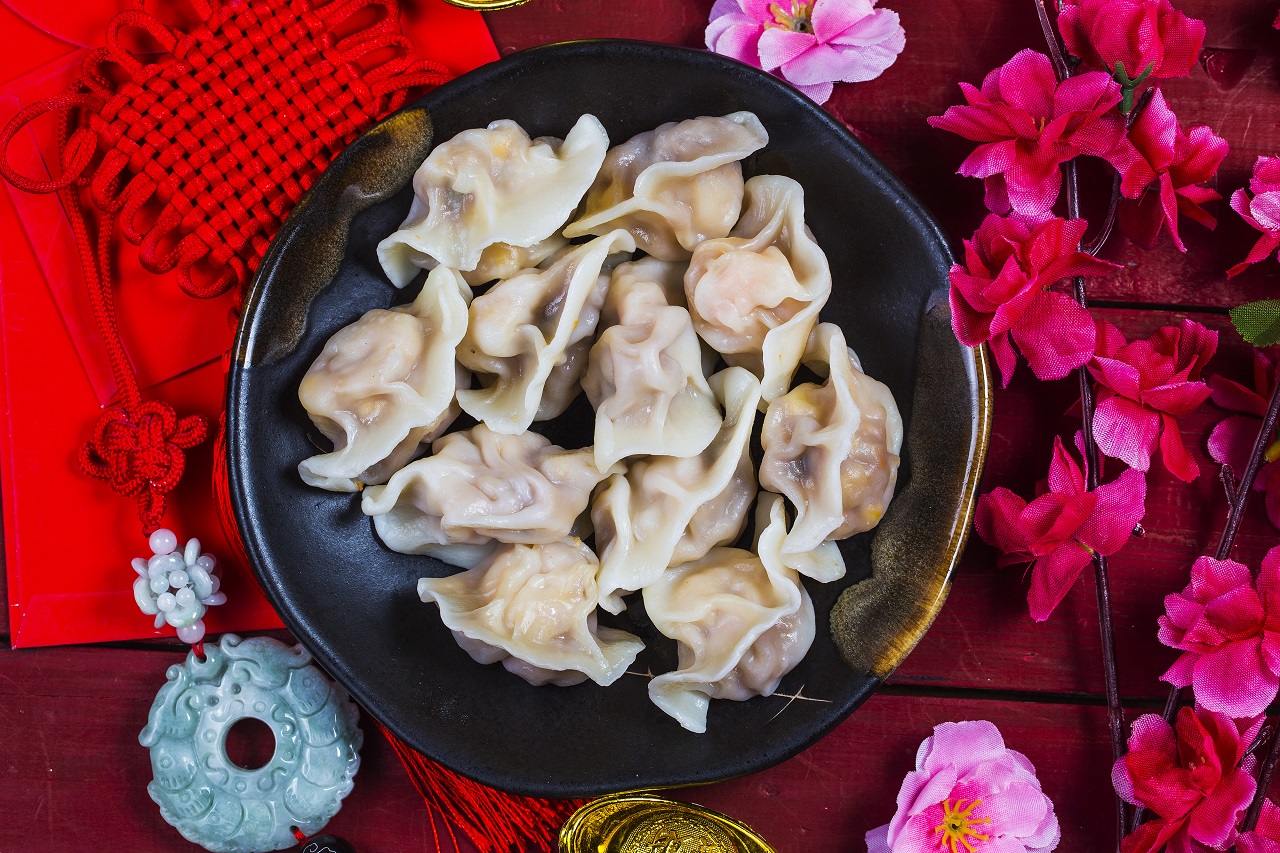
250, 743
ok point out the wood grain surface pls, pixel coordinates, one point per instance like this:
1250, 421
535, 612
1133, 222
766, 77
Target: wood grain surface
72, 774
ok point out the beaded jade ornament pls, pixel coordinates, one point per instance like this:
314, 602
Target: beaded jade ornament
177, 587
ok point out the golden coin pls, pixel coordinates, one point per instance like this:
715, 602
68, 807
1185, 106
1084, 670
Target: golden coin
645, 823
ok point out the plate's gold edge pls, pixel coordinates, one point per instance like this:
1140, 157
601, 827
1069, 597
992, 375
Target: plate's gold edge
895, 652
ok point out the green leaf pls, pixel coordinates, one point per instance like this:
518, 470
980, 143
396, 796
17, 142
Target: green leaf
1258, 322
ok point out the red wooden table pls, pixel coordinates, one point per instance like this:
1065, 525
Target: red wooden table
73, 777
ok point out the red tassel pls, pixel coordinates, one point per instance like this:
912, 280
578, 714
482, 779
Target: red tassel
494, 821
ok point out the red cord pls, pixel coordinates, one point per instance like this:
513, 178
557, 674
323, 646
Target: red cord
216, 139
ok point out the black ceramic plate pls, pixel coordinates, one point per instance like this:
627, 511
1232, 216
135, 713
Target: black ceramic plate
352, 602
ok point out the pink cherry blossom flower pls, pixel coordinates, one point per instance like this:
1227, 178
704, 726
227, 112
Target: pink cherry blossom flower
1139, 34
1232, 439
1266, 837
1144, 387
1162, 168
811, 43
1059, 532
1189, 776
969, 792
1228, 628
1001, 293
1028, 124
1262, 211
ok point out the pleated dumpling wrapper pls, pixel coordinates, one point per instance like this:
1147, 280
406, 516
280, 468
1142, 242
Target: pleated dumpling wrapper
666, 510
741, 623
493, 190
533, 607
644, 376
833, 450
528, 337
674, 186
755, 295
478, 488
385, 384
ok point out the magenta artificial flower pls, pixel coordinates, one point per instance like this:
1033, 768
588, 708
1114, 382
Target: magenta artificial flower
1028, 125
1266, 837
1231, 441
1162, 168
1144, 387
1262, 211
1001, 292
1139, 34
1228, 628
811, 43
1059, 532
969, 792
1189, 776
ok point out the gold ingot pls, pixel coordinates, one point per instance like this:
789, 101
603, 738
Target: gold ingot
486, 5
645, 823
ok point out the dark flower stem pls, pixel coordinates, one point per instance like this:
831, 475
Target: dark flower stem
1250, 822
1115, 711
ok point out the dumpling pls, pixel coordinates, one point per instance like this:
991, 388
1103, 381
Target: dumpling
832, 449
644, 376
674, 186
529, 336
492, 187
741, 622
478, 487
385, 384
755, 295
665, 510
533, 607
502, 260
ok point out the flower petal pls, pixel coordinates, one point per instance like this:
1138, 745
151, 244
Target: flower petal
1052, 577
1174, 453
1213, 821
1231, 441
1055, 335
1120, 507
1124, 430
1234, 680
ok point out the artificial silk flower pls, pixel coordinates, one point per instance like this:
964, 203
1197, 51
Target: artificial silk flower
1228, 628
811, 43
969, 792
1231, 441
1189, 776
1138, 34
1262, 211
1001, 294
1266, 837
1161, 169
1028, 125
1059, 532
1144, 387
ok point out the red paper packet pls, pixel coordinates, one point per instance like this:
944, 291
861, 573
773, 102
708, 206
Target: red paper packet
68, 538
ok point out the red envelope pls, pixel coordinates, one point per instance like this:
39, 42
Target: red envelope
68, 538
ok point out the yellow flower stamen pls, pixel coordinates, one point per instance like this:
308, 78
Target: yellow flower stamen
958, 825
799, 19
1272, 453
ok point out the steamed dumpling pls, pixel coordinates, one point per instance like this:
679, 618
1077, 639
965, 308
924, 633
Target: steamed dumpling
494, 187
645, 377
502, 260
533, 607
665, 510
674, 186
741, 622
529, 336
385, 384
832, 449
755, 295
480, 487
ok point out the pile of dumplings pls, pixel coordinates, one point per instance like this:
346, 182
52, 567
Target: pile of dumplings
682, 300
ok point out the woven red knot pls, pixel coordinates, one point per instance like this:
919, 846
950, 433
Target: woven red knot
138, 450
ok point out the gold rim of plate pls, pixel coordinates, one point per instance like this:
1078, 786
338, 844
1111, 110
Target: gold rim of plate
639, 823
486, 5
